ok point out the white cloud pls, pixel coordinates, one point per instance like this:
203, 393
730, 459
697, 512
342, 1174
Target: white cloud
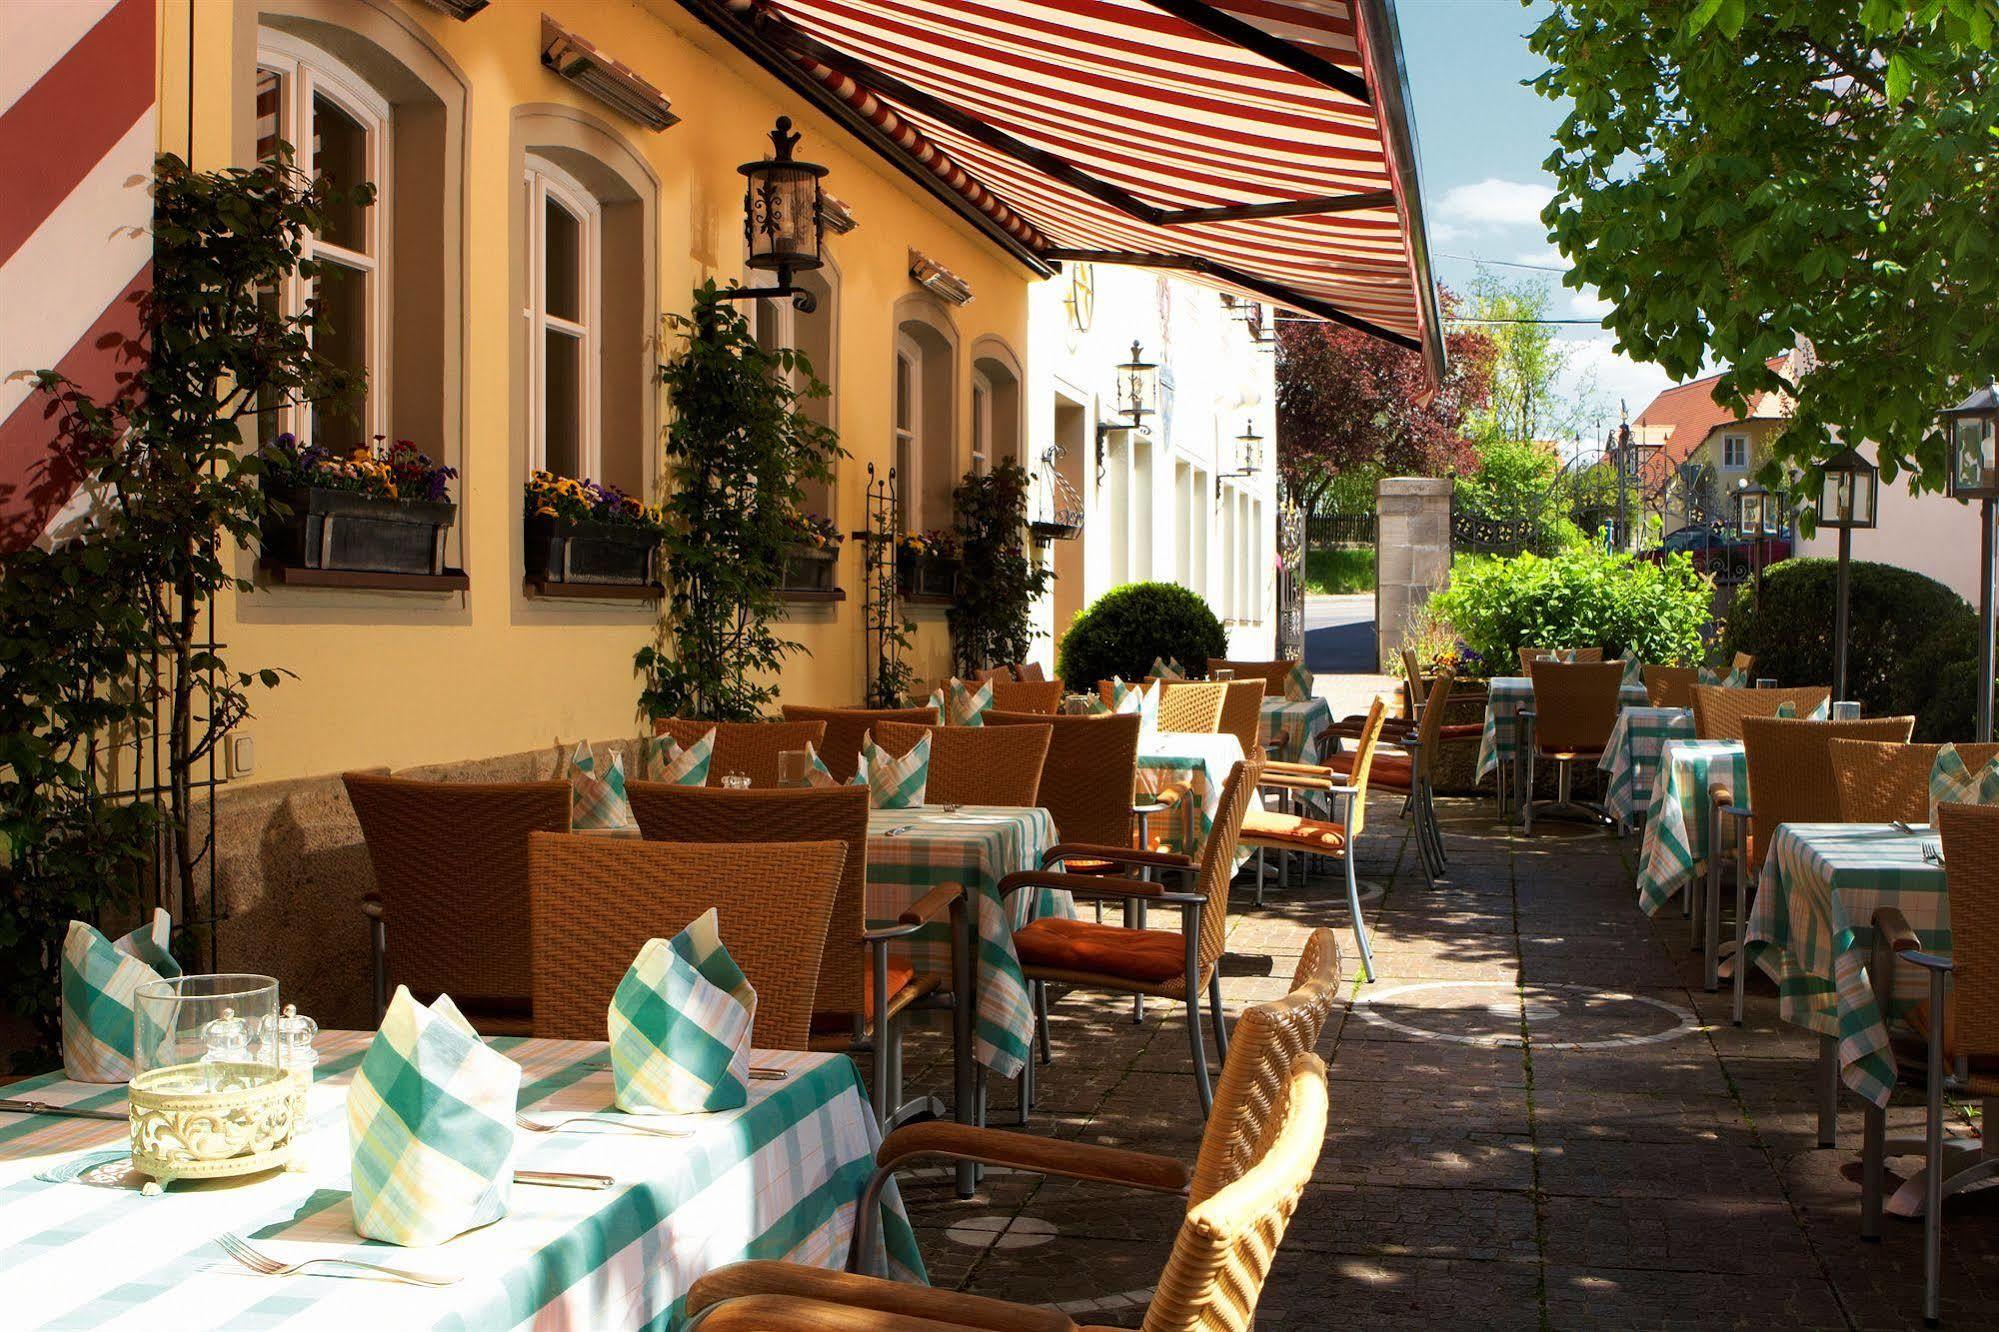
1496, 202
1545, 257
1588, 304
1613, 376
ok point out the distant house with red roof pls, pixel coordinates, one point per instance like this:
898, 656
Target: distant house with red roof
1711, 444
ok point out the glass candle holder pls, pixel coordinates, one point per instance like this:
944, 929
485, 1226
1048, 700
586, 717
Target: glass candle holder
203, 1020
1222, 674
1847, 709
791, 767
208, 1097
1765, 682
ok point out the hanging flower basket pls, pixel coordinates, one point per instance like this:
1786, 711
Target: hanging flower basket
585, 550
1044, 530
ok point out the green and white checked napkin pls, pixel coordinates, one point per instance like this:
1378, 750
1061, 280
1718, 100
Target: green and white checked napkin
1952, 783
1789, 711
1168, 669
816, 771
668, 761
680, 1026
430, 1121
958, 704
1126, 699
894, 783
598, 804
99, 978
1297, 683
1634, 672
1736, 678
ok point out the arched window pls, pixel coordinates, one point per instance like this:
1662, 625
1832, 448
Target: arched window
563, 314
996, 405
908, 430
926, 411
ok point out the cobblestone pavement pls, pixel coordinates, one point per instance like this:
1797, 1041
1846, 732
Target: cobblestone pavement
1540, 1120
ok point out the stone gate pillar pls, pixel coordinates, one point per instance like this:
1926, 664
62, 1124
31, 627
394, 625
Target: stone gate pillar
1412, 552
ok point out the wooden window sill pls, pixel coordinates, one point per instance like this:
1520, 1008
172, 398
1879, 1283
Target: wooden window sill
812, 596
290, 575
554, 591
927, 599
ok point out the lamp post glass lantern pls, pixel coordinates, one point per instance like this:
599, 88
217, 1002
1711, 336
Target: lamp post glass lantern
1251, 443
1973, 427
781, 220
1752, 517
1849, 490
1137, 387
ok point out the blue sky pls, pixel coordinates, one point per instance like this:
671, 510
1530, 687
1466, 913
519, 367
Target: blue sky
1483, 137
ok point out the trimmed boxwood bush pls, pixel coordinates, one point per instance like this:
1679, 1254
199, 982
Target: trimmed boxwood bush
1121, 632
1580, 598
1912, 648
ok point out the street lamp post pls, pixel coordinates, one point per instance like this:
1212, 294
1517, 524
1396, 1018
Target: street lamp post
1849, 490
1974, 474
1752, 512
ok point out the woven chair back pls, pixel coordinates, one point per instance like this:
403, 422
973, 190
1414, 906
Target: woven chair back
1573, 656
847, 727
1670, 686
1086, 782
1790, 769
1264, 1042
1430, 731
1272, 673
1744, 662
750, 748
451, 865
976, 765
1575, 705
1028, 695
1720, 711
1222, 1255
1030, 672
1218, 857
1192, 706
598, 899
707, 814
992, 673
1242, 714
1880, 782
1363, 763
1971, 846
1412, 682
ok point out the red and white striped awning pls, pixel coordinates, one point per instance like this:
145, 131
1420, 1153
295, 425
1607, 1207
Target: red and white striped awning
1263, 146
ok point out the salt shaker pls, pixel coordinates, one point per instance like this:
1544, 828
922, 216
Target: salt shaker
290, 1036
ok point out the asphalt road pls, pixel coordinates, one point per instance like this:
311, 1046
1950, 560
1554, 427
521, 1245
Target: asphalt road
1339, 635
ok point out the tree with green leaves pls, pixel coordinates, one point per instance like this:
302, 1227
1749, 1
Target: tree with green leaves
1737, 177
1525, 401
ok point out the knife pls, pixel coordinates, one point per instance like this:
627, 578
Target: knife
562, 1179
67, 1111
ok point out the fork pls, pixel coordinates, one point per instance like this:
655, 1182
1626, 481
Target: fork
264, 1265
533, 1126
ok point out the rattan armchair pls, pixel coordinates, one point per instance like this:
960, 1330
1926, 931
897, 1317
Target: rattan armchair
1028, 695
1213, 1278
1958, 1025
1585, 656
1242, 714
1408, 772
1167, 964
1086, 782
1719, 711
846, 728
1272, 673
864, 991
1193, 707
1575, 710
596, 900
1670, 686
451, 875
1880, 781
1339, 836
975, 765
750, 748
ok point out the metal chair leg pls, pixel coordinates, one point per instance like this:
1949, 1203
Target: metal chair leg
1041, 1022
1260, 863
1745, 888
1219, 1018
1359, 925
378, 938
1199, 1047
1933, 1163
1873, 1146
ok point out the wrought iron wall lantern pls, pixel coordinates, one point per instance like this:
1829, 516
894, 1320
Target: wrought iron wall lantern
1249, 458
1134, 396
781, 219
1974, 475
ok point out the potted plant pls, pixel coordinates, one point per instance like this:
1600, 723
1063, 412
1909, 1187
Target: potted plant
812, 559
581, 531
927, 563
375, 508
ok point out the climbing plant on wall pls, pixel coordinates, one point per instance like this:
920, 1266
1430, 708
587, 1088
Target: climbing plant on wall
992, 618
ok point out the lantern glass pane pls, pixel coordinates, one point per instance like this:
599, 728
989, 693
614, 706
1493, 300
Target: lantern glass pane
1974, 467
782, 214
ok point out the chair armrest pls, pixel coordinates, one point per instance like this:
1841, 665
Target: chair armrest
1082, 885
933, 905
1165, 798
1893, 927
1023, 1151
782, 1313
1297, 781
1123, 855
1734, 811
371, 905
765, 1278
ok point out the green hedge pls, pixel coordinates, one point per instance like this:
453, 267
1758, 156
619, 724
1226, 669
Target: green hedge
1121, 632
1579, 598
1912, 648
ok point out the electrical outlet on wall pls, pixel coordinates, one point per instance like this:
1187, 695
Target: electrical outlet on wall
242, 755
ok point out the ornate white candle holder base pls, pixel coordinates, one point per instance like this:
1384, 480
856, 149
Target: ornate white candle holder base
212, 1120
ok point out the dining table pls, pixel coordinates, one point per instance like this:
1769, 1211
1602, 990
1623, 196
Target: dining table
1289, 728
779, 1178
1508, 696
1631, 758
1200, 763
1679, 821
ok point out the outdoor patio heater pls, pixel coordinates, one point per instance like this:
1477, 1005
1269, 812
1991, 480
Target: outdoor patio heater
1974, 474
1849, 491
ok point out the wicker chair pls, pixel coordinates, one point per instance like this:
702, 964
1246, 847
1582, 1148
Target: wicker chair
993, 673
1028, 695
1086, 783
1030, 672
847, 727
451, 872
1670, 686
1962, 1046
1744, 662
1213, 1278
1408, 772
1193, 707
1242, 714
1720, 711
1167, 964
1790, 781
1575, 710
975, 765
1588, 656
1272, 673
750, 748
598, 899
1880, 782
1263, 830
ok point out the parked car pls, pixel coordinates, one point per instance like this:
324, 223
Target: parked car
1723, 553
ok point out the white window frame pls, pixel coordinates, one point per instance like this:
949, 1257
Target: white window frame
1730, 444
908, 433
982, 422
544, 181
305, 71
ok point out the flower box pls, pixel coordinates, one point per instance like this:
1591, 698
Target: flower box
341, 529
1046, 530
810, 568
924, 574
566, 550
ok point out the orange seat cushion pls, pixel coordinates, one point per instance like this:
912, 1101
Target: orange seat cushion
1292, 830
1462, 731
899, 976
1392, 770
1150, 956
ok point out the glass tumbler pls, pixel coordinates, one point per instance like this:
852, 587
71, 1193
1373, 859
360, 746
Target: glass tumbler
1223, 674
210, 1025
791, 767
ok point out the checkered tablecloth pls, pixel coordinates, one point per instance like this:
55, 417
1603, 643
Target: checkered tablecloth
1508, 697
1632, 757
1812, 930
1294, 728
1677, 820
779, 1178
911, 851
1203, 762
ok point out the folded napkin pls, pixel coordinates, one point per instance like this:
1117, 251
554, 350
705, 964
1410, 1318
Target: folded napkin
1789, 710
430, 1120
1634, 671
1952, 783
669, 762
1736, 678
893, 783
1148, 708
816, 771
680, 1026
958, 704
598, 803
1297, 683
1126, 699
99, 978
1168, 670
